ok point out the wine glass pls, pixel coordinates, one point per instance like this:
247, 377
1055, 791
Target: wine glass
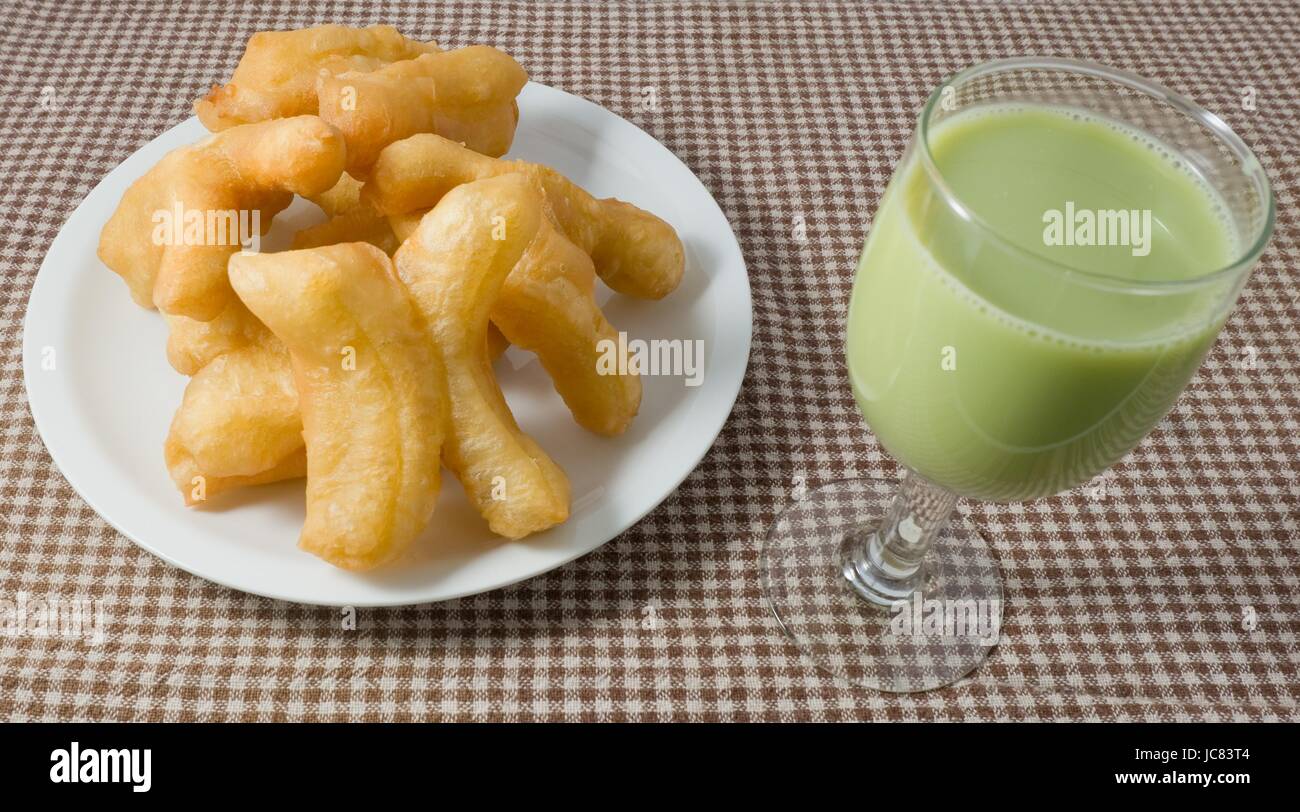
1055, 254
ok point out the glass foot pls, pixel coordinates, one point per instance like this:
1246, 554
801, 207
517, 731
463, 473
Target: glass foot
854, 617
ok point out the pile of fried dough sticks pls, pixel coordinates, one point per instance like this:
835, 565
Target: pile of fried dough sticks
362, 358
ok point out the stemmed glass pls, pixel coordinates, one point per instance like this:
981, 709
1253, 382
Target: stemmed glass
997, 366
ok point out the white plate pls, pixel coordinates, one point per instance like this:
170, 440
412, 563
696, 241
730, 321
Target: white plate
105, 407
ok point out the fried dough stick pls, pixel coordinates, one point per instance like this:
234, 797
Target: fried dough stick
221, 179
371, 389
237, 425
467, 95
634, 252
192, 344
341, 198
547, 305
350, 220
276, 76
353, 226
454, 267
403, 226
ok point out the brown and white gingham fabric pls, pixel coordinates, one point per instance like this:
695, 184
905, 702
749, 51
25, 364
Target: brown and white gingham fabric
1126, 602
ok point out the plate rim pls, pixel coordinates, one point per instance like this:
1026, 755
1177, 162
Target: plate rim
739, 371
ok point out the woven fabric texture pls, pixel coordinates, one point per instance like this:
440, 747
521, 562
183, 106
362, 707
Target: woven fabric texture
1167, 590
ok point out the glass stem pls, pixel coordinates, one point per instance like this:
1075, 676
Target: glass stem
885, 564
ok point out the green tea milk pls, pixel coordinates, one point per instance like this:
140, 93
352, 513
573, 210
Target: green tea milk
979, 353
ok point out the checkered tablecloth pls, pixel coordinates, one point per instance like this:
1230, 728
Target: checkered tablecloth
1170, 592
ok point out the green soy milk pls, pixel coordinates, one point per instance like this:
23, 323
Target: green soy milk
995, 348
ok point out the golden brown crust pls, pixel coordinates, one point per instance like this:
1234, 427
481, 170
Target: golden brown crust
467, 95
374, 406
634, 252
276, 76
238, 424
223, 181
454, 266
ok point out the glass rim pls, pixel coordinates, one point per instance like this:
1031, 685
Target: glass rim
1250, 166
